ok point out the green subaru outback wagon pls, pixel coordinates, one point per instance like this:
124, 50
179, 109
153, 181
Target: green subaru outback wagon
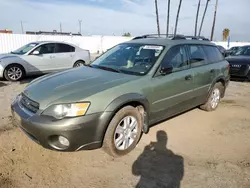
115, 99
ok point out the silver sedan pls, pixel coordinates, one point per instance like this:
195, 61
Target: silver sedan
41, 57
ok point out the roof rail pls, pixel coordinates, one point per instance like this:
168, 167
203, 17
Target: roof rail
197, 38
171, 36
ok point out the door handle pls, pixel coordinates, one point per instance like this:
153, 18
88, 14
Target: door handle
212, 71
188, 77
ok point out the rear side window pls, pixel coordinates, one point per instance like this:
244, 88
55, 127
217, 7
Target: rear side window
64, 48
197, 55
213, 54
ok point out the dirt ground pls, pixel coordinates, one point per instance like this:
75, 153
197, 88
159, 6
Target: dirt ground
195, 149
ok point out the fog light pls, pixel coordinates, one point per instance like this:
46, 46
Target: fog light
64, 141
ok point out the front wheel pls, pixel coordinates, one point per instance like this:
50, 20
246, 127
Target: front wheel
14, 73
124, 132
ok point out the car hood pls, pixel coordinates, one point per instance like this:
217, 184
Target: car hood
73, 85
5, 56
239, 59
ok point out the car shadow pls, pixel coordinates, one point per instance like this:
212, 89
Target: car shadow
157, 166
28, 79
2, 84
239, 79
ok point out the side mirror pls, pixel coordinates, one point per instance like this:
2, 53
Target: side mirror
166, 70
36, 53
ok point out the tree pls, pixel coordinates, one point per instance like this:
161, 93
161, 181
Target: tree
168, 17
197, 17
126, 34
225, 34
177, 17
215, 12
203, 17
157, 17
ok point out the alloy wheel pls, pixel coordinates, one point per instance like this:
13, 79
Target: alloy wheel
215, 98
14, 73
126, 133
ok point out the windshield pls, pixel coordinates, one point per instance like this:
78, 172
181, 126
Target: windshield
245, 50
24, 49
135, 59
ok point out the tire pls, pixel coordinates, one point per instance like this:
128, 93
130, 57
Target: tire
79, 64
112, 139
14, 68
214, 98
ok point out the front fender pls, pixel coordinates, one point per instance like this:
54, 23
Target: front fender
121, 101
125, 99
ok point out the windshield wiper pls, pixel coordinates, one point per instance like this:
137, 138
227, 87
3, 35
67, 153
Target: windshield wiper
108, 68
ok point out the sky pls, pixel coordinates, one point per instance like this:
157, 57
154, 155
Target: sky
115, 17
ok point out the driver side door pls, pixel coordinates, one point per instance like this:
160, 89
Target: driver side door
172, 92
44, 61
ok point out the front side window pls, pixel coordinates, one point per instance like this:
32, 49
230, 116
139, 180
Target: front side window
197, 55
135, 59
46, 48
213, 54
64, 48
25, 49
177, 58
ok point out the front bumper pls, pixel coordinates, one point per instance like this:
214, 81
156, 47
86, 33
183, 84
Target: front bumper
83, 133
242, 72
1, 71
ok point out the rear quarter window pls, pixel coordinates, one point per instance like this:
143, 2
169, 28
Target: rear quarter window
64, 48
213, 54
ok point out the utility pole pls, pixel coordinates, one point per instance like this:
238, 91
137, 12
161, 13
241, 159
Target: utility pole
80, 26
157, 17
60, 27
22, 27
168, 17
197, 17
215, 12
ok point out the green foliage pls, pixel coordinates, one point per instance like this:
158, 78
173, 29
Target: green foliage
126, 34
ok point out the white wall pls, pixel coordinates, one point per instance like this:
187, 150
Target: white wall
10, 42
224, 44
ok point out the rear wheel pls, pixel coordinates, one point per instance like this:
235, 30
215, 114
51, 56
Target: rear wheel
14, 72
214, 98
79, 64
124, 132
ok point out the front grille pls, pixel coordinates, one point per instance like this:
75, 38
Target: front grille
29, 104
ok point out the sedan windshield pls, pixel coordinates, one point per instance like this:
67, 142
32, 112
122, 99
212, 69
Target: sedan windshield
245, 50
136, 59
24, 49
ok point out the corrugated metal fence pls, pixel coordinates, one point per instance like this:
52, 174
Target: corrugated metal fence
10, 42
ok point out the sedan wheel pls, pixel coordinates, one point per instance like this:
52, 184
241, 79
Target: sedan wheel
79, 64
14, 73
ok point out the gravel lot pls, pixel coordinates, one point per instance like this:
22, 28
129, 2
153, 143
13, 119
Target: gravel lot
199, 149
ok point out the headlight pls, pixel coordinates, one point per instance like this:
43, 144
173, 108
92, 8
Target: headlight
60, 111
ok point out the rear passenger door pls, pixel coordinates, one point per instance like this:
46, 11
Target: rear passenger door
202, 58
64, 56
